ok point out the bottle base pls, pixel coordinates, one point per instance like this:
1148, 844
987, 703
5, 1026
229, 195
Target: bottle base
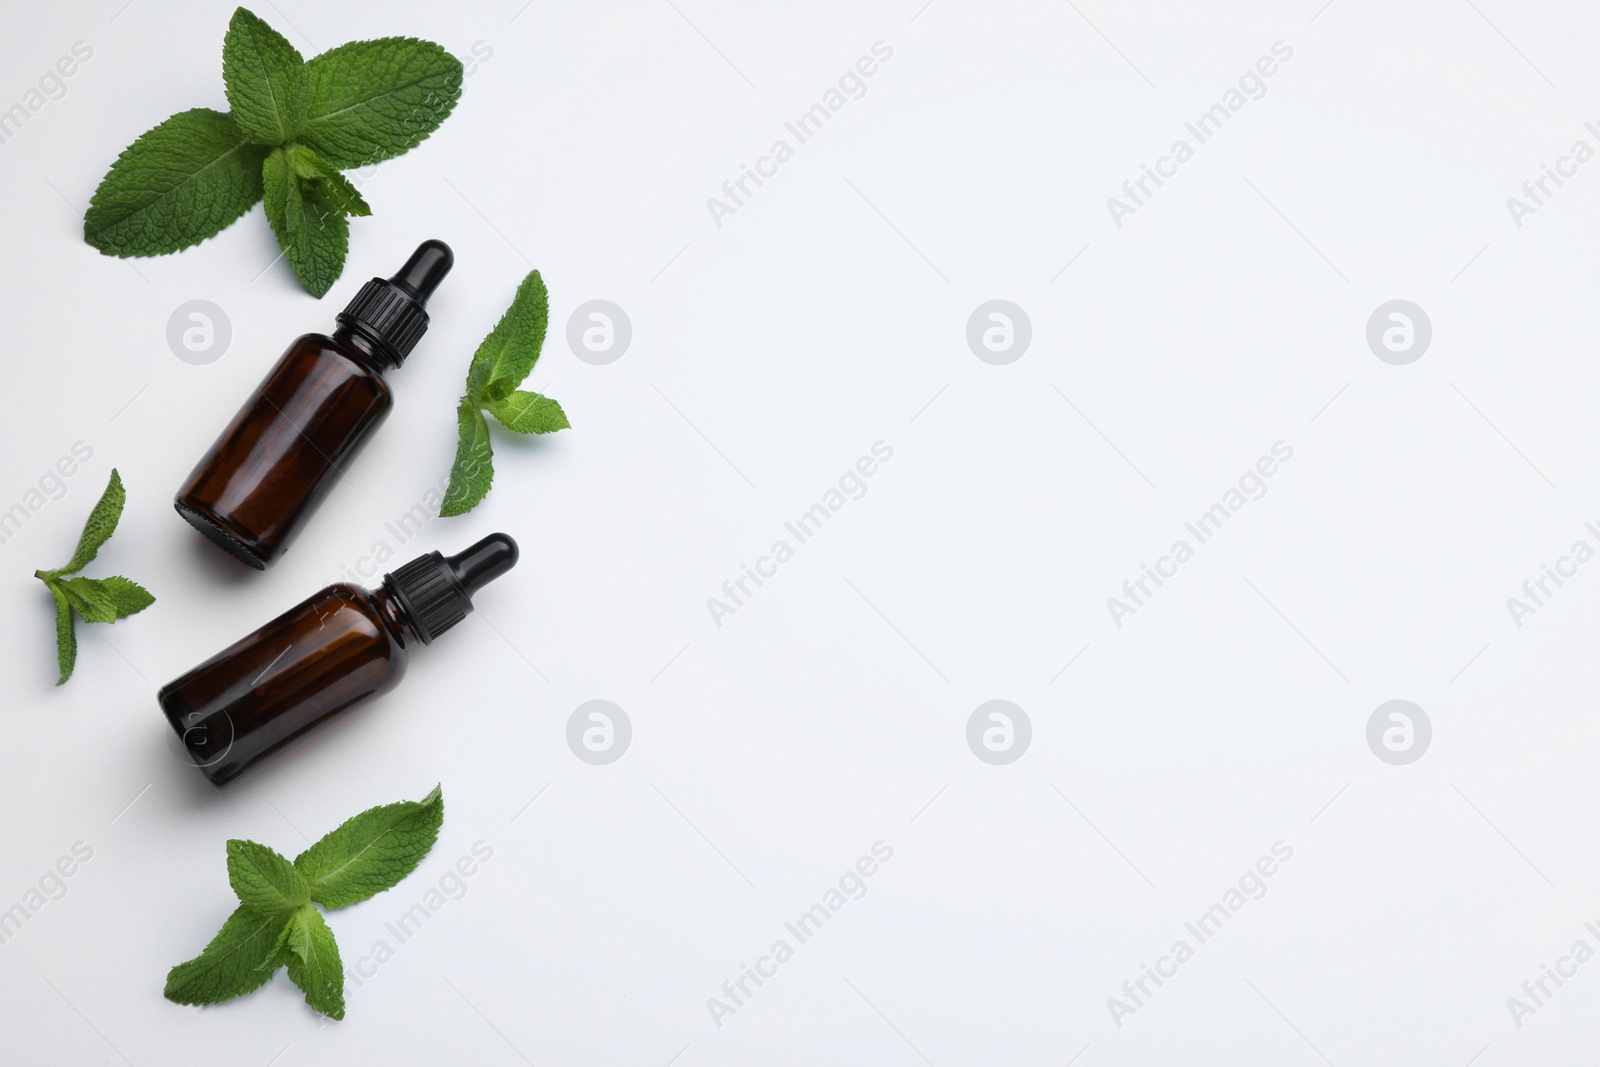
220, 535
196, 744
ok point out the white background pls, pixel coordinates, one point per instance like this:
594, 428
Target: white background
828, 713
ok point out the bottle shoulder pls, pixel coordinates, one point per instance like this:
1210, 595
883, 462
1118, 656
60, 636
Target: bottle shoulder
349, 359
378, 607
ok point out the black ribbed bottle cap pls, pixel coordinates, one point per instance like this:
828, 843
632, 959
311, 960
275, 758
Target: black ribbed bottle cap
392, 313
436, 591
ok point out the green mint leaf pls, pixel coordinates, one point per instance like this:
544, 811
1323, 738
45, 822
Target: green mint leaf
96, 599
175, 186
127, 595
372, 851
512, 348
66, 635
473, 471
335, 189
372, 100
308, 947
528, 413
101, 524
310, 228
278, 925
241, 958
88, 598
266, 80
333, 185
499, 365
263, 879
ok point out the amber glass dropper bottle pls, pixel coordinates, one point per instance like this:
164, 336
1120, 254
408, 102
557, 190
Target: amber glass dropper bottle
290, 443
342, 646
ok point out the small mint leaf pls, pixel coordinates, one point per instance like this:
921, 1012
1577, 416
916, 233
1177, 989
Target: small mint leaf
473, 471
372, 851
99, 527
89, 598
178, 184
528, 413
127, 595
238, 960
311, 167
512, 348
372, 100
310, 228
266, 80
66, 635
337, 190
263, 879
308, 948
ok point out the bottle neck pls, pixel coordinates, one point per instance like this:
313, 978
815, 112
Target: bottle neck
366, 351
393, 615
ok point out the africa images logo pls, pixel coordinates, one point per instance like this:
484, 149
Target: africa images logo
1137, 192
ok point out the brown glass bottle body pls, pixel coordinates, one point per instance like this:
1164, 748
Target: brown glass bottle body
287, 446
342, 646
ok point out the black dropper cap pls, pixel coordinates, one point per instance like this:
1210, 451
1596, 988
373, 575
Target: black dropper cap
436, 591
390, 313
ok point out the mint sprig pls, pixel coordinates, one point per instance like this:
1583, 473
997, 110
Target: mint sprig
95, 599
277, 923
500, 364
294, 126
